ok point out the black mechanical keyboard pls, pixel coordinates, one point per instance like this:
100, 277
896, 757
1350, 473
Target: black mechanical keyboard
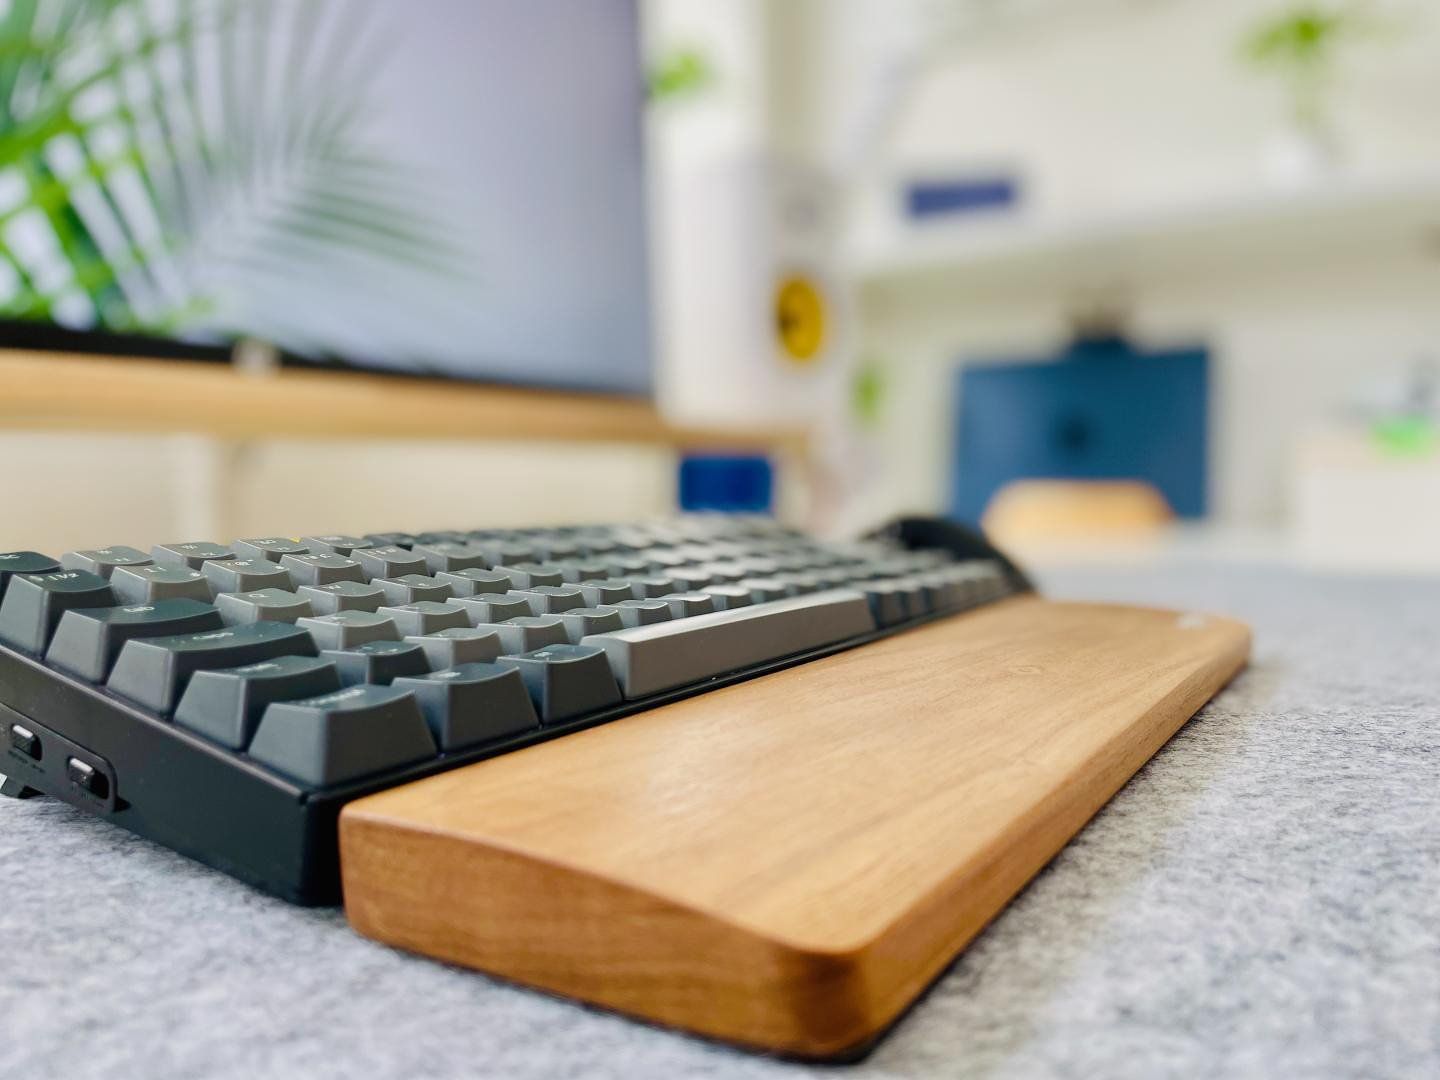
228, 699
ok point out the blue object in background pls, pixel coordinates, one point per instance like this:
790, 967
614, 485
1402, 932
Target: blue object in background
960, 195
737, 484
1100, 411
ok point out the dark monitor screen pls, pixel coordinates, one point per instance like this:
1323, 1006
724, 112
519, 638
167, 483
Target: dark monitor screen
446, 187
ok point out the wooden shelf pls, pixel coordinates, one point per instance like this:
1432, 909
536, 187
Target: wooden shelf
61, 391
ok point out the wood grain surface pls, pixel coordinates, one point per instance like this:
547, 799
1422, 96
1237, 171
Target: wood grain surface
787, 862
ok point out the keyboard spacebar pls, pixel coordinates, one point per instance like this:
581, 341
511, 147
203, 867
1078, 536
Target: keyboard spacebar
648, 659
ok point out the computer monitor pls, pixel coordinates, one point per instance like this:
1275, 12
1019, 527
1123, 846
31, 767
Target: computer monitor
450, 188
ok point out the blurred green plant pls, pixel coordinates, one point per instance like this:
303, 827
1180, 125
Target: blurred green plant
1302, 44
682, 73
160, 162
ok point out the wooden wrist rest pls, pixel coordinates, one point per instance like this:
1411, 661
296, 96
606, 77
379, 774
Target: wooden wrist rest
788, 862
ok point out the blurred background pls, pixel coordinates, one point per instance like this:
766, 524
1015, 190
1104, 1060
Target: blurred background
1118, 278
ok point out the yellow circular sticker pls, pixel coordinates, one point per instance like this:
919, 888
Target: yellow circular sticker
800, 319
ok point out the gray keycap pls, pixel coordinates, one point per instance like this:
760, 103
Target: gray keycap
566, 681
34, 603
652, 587
888, 603
262, 605
685, 605
648, 659
643, 612
550, 599
574, 571
148, 584
493, 608
342, 736
450, 557
426, 617
413, 588
190, 554
88, 640
528, 632
104, 560
473, 703
321, 569
244, 575
531, 575
689, 578
388, 562
625, 566
763, 590
507, 552
336, 544
453, 647
343, 596
270, 548
581, 622
475, 582
346, 629
608, 591
727, 597
723, 573
378, 662
226, 705
24, 562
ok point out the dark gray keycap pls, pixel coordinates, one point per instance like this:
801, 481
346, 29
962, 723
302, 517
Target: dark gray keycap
888, 603
625, 566
150, 584
321, 569
493, 608
689, 578
527, 632
722, 573
531, 575
34, 603
451, 556
155, 671
347, 629
684, 605
244, 575
608, 591
550, 599
453, 647
652, 587
475, 582
378, 662
643, 612
24, 562
104, 560
574, 571
262, 605
88, 640
555, 548
336, 544
648, 659
271, 548
506, 552
566, 681
727, 597
581, 622
413, 588
426, 617
763, 590
388, 562
343, 596
226, 705
342, 736
391, 539
438, 536
473, 703
190, 554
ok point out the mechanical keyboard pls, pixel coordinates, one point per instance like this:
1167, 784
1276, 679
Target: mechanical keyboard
228, 699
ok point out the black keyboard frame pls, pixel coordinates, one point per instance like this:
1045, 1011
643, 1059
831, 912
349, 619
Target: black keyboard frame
215, 805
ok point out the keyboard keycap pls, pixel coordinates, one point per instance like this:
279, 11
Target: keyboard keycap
24, 562
581, 622
643, 612
336, 544
343, 736
473, 703
104, 560
648, 659
451, 557
453, 647
155, 671
527, 632
88, 640
393, 539
652, 587
388, 562
347, 629
426, 617
226, 705
728, 597
34, 603
321, 569
474, 582
151, 584
607, 591
524, 576
505, 552
412, 589
493, 608
764, 590
566, 681
244, 575
262, 605
684, 605
343, 596
192, 554
378, 662
272, 548
551, 599
574, 571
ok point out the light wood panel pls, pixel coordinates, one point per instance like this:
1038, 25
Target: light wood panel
788, 862
50, 391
